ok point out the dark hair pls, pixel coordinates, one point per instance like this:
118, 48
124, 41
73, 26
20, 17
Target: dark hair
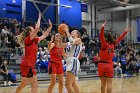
110, 38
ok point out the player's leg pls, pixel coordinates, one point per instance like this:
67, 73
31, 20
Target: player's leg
60, 81
34, 84
109, 77
60, 73
101, 73
24, 80
75, 86
33, 80
103, 84
23, 83
52, 82
53, 69
69, 81
109, 84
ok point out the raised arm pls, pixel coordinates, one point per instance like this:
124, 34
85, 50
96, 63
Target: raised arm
46, 32
71, 40
64, 54
33, 33
123, 35
51, 44
102, 37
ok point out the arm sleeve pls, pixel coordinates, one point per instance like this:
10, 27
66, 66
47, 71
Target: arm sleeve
71, 40
102, 39
120, 38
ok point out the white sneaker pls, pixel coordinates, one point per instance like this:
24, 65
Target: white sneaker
5, 83
9, 83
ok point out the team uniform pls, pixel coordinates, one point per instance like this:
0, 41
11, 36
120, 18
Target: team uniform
29, 59
105, 65
56, 65
72, 62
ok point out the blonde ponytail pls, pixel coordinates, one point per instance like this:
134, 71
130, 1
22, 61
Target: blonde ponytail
23, 35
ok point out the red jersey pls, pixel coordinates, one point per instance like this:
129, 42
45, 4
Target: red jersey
107, 50
31, 48
56, 54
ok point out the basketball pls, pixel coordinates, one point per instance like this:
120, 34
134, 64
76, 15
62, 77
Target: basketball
61, 29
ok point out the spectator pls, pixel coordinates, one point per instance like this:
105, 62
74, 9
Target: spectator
132, 66
4, 73
118, 69
115, 58
5, 30
123, 64
46, 61
40, 63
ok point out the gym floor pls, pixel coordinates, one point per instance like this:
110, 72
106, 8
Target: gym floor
120, 85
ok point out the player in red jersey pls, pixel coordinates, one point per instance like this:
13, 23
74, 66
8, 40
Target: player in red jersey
30, 41
56, 48
105, 65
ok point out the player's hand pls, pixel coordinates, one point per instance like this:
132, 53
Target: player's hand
66, 29
52, 38
50, 24
128, 29
104, 24
39, 16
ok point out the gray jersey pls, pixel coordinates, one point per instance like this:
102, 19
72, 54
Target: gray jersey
73, 50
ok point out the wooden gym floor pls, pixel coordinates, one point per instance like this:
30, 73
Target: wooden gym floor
120, 85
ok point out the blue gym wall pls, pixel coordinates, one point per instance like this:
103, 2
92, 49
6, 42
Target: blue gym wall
3, 13
32, 13
73, 15
138, 30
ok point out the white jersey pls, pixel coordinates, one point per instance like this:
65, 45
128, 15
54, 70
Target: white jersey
72, 62
73, 50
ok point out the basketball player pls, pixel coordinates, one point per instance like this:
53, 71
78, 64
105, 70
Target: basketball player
105, 65
57, 52
73, 49
30, 41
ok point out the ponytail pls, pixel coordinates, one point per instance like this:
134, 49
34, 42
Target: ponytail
23, 35
79, 34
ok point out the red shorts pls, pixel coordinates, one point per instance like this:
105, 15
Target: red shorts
56, 68
27, 71
105, 70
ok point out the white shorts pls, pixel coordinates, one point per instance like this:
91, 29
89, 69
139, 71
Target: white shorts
72, 65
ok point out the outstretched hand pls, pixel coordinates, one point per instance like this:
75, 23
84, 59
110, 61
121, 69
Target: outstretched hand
104, 24
50, 23
39, 16
52, 38
128, 29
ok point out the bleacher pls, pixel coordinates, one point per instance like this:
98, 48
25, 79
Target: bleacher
87, 71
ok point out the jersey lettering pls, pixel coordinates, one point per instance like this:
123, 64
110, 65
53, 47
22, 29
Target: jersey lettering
59, 53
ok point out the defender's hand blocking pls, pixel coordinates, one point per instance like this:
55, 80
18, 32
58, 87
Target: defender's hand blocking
50, 23
128, 29
39, 16
104, 24
52, 38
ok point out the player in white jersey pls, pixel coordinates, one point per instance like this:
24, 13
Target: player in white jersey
73, 49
